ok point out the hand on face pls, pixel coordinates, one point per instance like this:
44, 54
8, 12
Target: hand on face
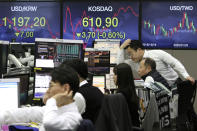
46, 97
56, 90
63, 98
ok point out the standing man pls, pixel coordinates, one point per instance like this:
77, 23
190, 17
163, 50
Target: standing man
167, 65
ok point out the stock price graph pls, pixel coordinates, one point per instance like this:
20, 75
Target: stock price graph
90, 21
24, 21
173, 27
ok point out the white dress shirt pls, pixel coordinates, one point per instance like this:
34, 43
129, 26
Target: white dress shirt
166, 64
80, 100
51, 117
83, 83
149, 79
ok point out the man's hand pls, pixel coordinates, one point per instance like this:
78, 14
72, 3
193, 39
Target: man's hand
46, 97
63, 98
191, 79
125, 43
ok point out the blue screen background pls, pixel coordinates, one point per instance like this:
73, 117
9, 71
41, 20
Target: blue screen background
163, 21
126, 12
49, 10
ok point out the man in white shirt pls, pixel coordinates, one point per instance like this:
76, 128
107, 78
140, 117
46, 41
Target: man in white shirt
60, 112
167, 65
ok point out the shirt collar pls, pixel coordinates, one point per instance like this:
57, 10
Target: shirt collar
148, 74
83, 83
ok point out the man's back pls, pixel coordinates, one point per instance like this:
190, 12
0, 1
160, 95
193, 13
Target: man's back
93, 97
164, 64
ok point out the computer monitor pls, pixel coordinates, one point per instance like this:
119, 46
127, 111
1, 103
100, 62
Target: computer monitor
41, 83
23, 85
110, 44
9, 93
99, 81
52, 52
98, 60
3, 57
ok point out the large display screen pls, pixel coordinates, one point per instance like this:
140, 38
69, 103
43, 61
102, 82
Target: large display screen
169, 24
25, 21
100, 20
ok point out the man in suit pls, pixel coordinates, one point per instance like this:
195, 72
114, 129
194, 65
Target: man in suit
92, 95
147, 71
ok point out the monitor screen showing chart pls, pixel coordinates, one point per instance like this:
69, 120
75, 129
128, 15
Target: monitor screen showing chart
98, 61
100, 20
52, 52
173, 27
111, 45
25, 21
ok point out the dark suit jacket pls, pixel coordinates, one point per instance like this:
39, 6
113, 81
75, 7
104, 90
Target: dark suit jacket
114, 114
93, 97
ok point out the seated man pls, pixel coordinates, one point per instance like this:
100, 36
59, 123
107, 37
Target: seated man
60, 112
147, 71
159, 100
92, 95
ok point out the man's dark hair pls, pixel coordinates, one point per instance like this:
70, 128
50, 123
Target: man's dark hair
66, 75
150, 62
135, 44
78, 65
